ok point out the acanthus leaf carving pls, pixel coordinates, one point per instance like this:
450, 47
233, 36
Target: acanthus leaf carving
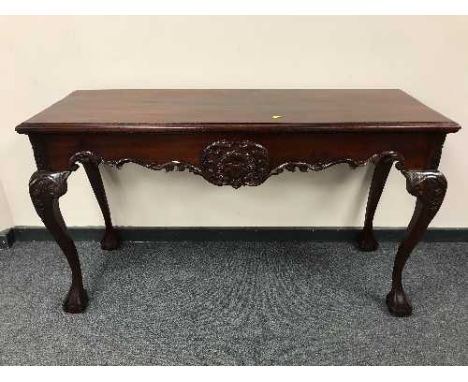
45, 187
235, 163
428, 186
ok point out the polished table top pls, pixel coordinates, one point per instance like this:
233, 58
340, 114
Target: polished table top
236, 109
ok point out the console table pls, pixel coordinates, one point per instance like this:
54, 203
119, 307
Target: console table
238, 138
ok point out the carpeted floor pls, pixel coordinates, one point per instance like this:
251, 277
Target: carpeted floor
233, 303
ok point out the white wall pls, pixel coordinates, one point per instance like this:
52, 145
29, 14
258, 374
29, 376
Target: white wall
44, 58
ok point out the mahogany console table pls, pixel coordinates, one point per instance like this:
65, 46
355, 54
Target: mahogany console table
238, 138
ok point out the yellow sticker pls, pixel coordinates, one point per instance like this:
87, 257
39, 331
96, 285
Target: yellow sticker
276, 116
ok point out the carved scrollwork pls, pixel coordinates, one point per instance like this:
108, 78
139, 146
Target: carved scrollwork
428, 186
322, 165
173, 165
85, 157
317, 166
235, 163
45, 186
89, 156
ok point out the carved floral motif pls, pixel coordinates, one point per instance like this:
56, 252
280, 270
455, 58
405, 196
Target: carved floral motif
235, 163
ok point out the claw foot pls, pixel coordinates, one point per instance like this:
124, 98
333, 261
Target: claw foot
398, 303
366, 241
76, 301
110, 240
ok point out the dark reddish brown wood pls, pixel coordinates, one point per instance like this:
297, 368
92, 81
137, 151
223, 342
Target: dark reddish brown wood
417, 148
238, 138
366, 239
238, 110
110, 240
46, 188
429, 187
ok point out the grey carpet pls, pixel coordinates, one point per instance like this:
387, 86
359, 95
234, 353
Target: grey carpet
233, 303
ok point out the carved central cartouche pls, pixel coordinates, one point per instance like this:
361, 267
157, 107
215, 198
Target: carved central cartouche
235, 163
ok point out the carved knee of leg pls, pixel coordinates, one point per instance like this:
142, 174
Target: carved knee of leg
45, 187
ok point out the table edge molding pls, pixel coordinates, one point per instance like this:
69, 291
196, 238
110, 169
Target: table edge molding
267, 127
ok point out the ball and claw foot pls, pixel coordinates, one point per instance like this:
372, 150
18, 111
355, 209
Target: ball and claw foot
76, 301
110, 240
398, 304
366, 241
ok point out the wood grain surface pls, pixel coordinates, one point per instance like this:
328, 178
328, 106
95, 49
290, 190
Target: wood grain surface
237, 110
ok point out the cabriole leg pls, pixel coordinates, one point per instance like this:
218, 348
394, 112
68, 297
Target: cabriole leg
46, 188
429, 187
366, 240
110, 240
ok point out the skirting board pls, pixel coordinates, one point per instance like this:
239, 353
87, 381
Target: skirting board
9, 236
